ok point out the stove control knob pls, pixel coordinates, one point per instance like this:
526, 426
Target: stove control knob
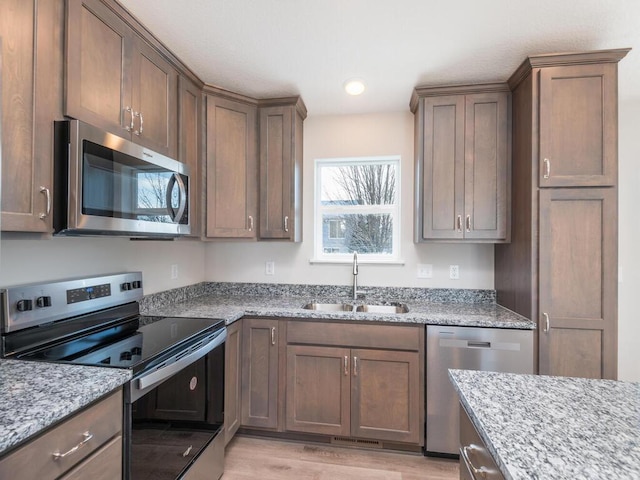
125, 286
136, 351
125, 356
24, 305
43, 301
136, 284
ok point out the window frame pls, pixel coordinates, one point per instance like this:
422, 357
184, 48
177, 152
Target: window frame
393, 209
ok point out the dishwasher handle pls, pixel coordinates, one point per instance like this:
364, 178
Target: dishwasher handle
478, 344
474, 344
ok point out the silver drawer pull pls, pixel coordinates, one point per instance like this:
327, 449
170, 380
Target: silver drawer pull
346, 364
482, 471
47, 194
546, 323
273, 335
286, 224
87, 436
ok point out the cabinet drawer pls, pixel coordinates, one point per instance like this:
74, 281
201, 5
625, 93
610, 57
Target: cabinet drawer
392, 337
36, 460
105, 464
474, 454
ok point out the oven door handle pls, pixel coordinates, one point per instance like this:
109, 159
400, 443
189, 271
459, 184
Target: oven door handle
163, 373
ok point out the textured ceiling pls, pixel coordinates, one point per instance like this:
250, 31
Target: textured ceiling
271, 48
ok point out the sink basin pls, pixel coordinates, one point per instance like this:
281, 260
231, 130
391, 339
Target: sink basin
329, 307
387, 308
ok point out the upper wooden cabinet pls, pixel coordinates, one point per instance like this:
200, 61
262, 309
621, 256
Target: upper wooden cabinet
31, 70
281, 168
578, 125
232, 169
463, 158
115, 80
190, 145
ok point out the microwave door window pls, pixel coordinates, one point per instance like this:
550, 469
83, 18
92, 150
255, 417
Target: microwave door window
152, 203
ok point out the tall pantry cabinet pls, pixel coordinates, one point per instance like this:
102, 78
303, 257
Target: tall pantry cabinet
561, 265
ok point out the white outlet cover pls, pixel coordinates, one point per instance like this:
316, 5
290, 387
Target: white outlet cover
425, 270
174, 271
454, 272
269, 268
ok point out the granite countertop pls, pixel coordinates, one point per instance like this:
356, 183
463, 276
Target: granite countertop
36, 395
541, 427
233, 307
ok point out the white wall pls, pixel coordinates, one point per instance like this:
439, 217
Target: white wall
353, 136
26, 259
629, 241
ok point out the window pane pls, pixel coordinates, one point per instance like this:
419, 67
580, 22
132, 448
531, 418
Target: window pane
372, 184
372, 233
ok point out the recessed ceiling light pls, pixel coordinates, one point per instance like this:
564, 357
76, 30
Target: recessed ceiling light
354, 86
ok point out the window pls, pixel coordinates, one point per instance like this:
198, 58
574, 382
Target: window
357, 208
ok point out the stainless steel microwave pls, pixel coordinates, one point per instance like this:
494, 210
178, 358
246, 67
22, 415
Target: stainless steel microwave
106, 185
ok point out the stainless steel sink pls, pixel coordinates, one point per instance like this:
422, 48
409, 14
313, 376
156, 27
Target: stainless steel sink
386, 308
329, 307
391, 307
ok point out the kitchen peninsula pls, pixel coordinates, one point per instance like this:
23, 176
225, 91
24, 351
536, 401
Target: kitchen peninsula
542, 427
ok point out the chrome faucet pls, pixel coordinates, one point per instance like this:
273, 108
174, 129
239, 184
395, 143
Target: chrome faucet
355, 275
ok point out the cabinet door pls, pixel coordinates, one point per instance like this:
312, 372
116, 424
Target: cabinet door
181, 397
318, 390
189, 141
486, 166
154, 100
578, 125
232, 384
276, 168
260, 373
232, 169
98, 67
443, 168
31, 69
578, 259
385, 397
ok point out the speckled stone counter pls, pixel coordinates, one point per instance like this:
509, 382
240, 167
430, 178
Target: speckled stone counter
36, 395
540, 427
232, 307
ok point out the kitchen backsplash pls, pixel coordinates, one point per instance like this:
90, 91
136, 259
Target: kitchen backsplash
404, 294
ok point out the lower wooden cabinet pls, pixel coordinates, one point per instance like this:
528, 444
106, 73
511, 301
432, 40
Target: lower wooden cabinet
232, 380
364, 393
474, 455
370, 393
260, 372
98, 429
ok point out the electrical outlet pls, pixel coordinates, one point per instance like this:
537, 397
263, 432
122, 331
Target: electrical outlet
454, 272
174, 271
270, 268
425, 270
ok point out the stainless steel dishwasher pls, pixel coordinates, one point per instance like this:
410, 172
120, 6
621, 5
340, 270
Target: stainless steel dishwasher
469, 348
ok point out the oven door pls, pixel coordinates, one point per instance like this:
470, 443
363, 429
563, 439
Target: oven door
176, 429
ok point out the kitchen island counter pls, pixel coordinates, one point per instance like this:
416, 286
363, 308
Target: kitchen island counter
542, 427
37, 395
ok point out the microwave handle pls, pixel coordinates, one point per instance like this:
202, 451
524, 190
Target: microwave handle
182, 196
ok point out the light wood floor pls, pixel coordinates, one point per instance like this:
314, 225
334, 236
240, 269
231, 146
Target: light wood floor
266, 459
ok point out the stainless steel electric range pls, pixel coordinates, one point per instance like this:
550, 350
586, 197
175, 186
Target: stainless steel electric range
173, 408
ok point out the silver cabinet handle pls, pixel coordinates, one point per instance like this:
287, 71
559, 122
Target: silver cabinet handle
87, 436
47, 195
468, 223
459, 223
130, 112
482, 471
273, 335
141, 122
286, 224
250, 223
355, 366
133, 115
547, 168
546, 322
346, 365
